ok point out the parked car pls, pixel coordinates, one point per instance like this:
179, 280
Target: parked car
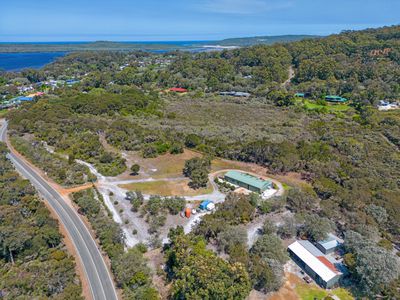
307, 279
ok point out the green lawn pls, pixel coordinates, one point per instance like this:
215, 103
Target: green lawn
343, 294
3, 113
331, 107
311, 105
312, 292
308, 292
286, 187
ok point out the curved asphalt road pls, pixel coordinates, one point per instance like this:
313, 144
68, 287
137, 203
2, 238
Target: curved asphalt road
98, 277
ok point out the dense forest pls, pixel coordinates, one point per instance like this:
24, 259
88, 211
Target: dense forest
350, 158
34, 262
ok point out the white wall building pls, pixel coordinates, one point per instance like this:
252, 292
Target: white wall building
314, 263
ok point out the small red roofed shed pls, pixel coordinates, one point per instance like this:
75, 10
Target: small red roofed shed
178, 90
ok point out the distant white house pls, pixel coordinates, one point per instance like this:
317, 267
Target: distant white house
23, 89
386, 105
235, 94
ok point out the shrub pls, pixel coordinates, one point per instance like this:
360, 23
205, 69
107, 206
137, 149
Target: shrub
135, 168
176, 148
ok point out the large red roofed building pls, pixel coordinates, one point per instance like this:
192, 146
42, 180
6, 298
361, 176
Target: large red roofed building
178, 90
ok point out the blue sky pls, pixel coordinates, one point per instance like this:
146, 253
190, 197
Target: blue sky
131, 20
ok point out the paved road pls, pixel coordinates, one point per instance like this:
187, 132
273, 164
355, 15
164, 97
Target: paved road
98, 276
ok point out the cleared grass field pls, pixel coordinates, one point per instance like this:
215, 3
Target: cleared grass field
167, 188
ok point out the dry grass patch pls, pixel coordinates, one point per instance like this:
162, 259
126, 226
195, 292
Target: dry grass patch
163, 166
167, 188
287, 291
170, 165
223, 164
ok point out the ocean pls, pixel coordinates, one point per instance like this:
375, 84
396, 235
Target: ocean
34, 60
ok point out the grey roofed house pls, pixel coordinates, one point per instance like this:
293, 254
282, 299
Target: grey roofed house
329, 245
314, 263
242, 94
384, 103
72, 81
235, 94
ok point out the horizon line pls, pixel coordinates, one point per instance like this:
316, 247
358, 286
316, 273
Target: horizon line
160, 41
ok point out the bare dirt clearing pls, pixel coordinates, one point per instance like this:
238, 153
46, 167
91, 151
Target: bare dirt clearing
288, 290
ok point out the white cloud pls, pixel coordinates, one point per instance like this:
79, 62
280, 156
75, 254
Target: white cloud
244, 7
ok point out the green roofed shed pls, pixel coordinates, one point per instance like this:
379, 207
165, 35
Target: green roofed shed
248, 181
334, 98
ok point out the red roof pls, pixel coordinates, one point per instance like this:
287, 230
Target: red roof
178, 90
327, 263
